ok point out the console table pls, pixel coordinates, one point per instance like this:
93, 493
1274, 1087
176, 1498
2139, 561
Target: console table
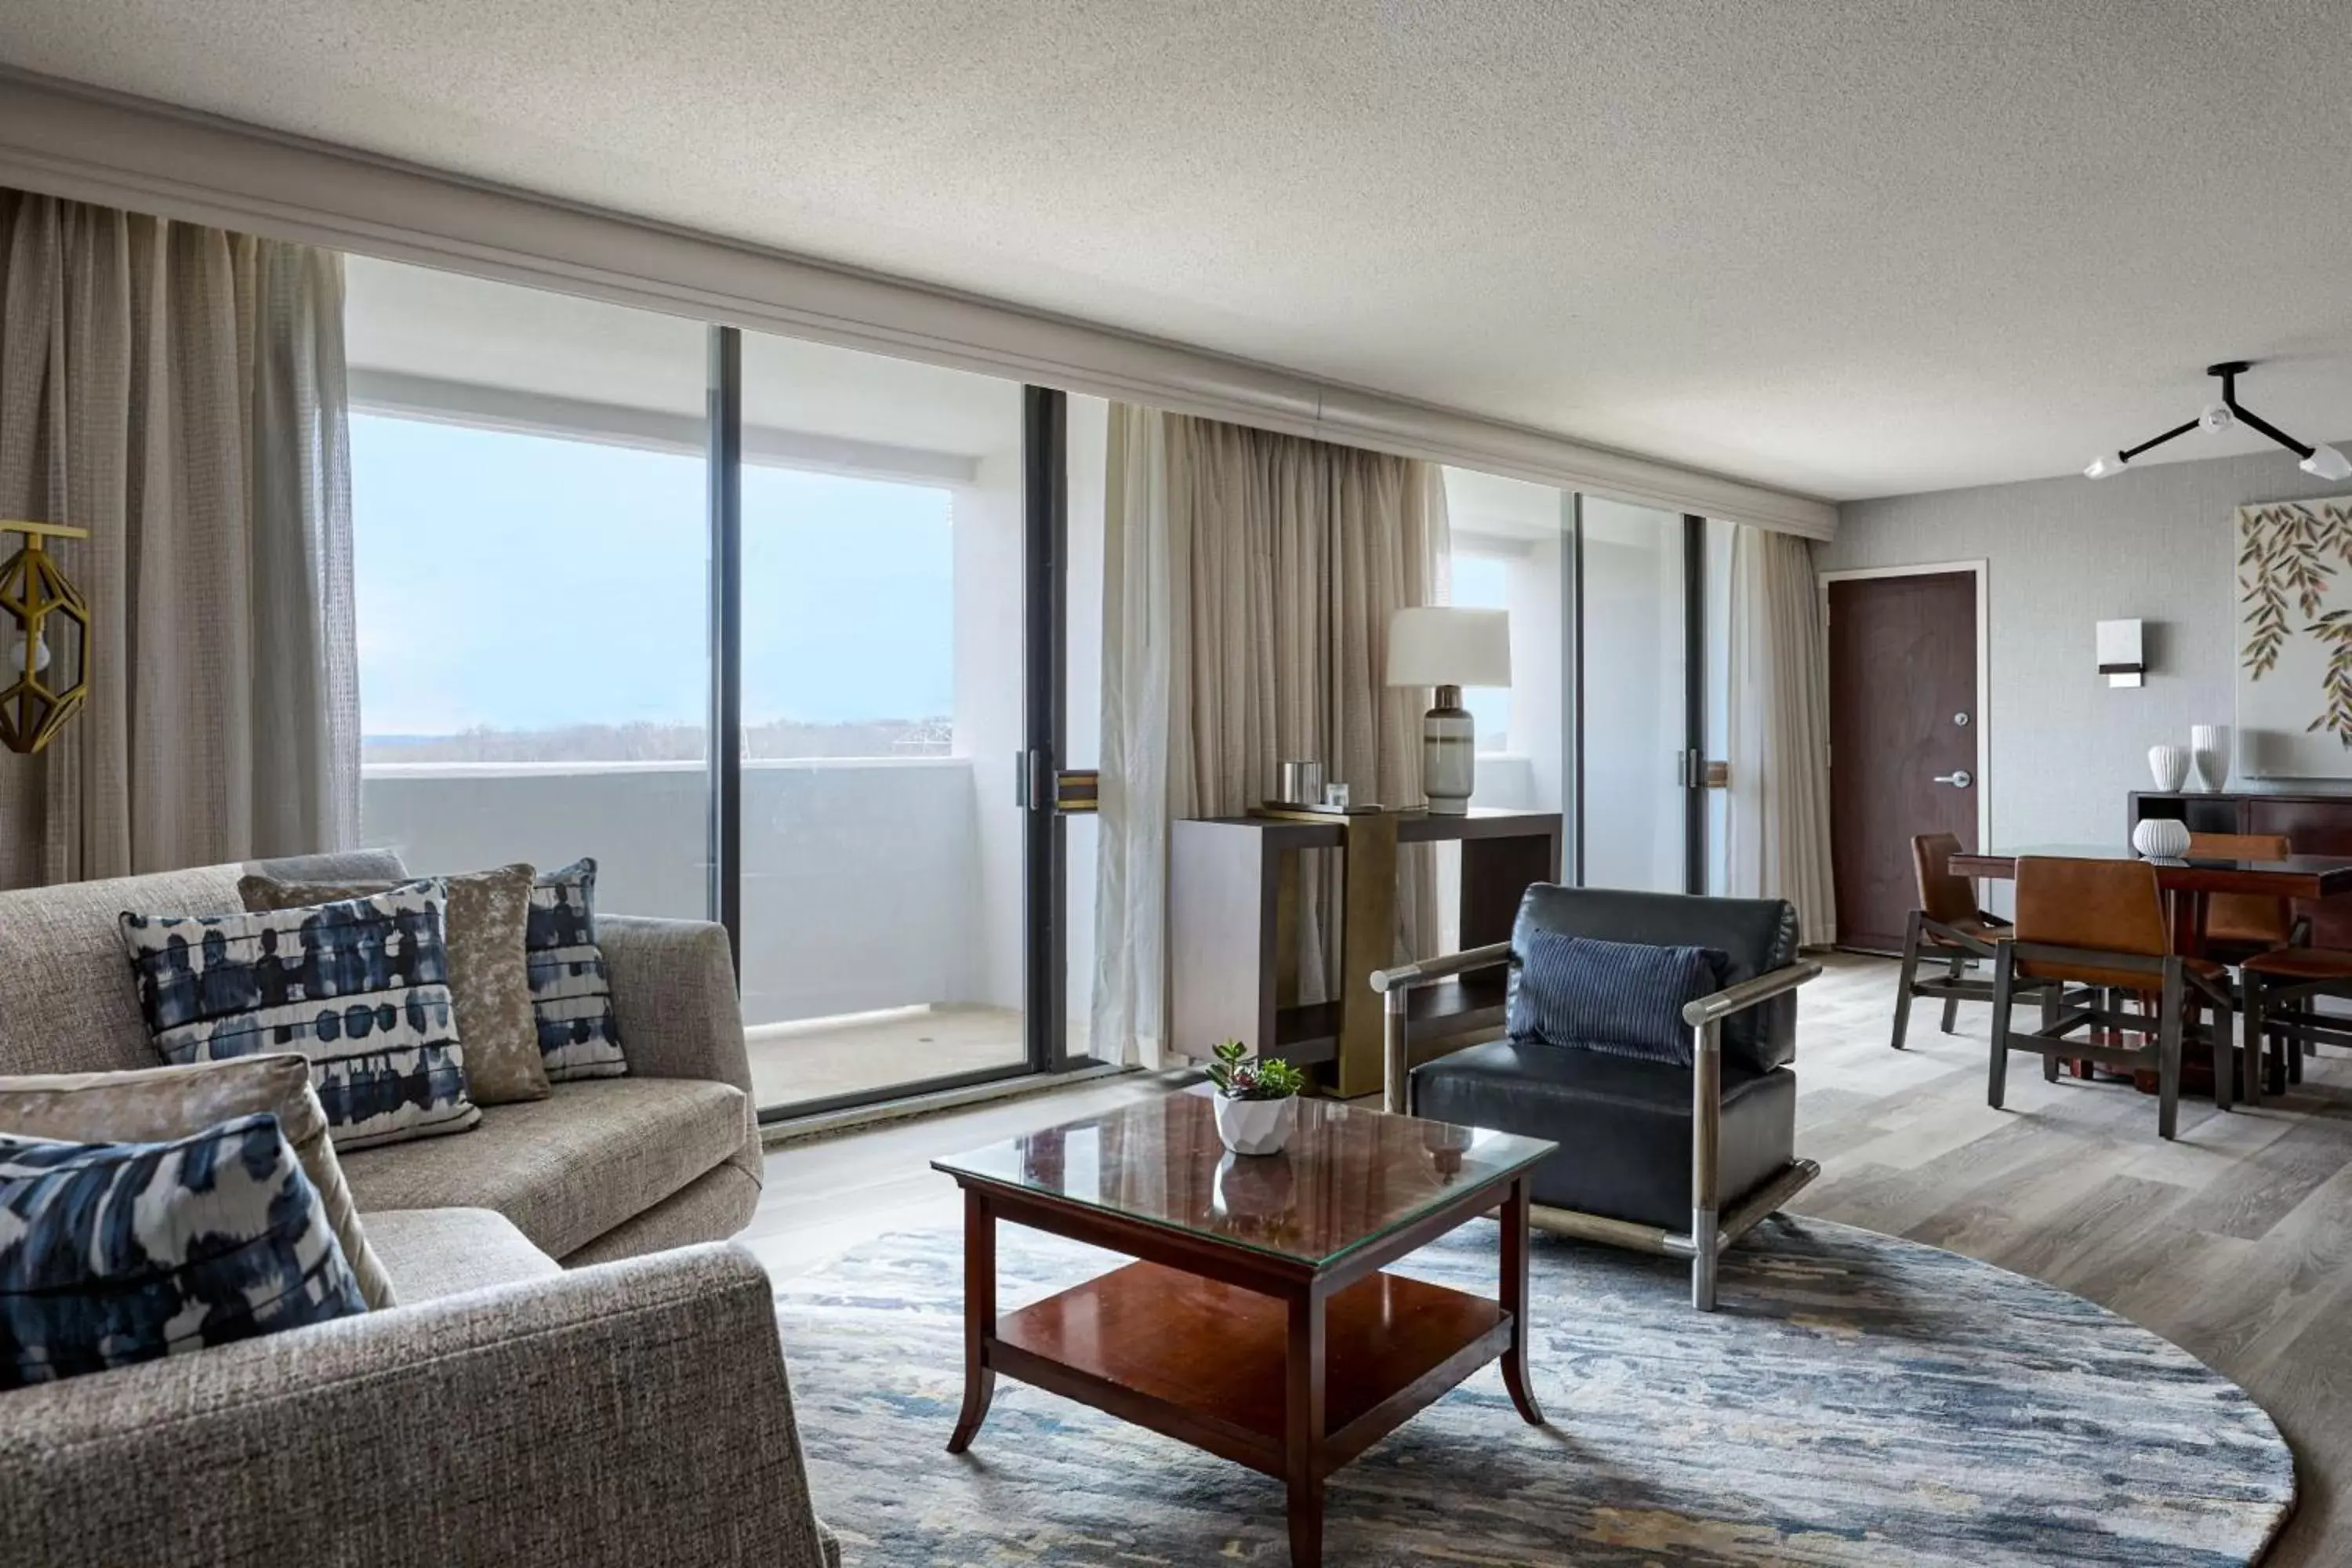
1233, 903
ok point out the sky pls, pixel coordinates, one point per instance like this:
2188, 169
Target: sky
525, 582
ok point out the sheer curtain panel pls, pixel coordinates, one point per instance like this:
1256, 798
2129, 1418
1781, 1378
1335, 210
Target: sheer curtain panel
179, 390
1248, 582
1778, 829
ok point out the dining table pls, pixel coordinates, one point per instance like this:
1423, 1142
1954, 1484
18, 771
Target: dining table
2185, 883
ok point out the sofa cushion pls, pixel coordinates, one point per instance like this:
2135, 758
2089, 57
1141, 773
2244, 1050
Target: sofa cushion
68, 1003
567, 1168
490, 969
152, 1105
360, 988
432, 1253
1622, 1125
113, 1254
571, 990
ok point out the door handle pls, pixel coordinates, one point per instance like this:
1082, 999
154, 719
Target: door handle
1959, 780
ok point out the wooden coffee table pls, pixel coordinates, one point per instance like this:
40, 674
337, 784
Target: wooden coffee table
1256, 1321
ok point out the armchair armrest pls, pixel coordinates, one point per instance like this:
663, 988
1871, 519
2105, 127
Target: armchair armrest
1732, 999
1396, 984
1405, 977
630, 1412
674, 997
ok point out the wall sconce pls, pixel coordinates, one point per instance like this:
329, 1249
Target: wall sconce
2120, 658
44, 636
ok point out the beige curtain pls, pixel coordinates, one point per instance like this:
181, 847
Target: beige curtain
1777, 838
1249, 578
179, 390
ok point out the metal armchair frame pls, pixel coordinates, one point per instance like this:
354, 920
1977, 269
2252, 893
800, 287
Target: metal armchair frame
1712, 1230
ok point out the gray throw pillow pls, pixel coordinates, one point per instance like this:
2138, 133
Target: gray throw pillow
155, 1105
489, 970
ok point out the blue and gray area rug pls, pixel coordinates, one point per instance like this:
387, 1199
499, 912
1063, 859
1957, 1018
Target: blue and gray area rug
1858, 1400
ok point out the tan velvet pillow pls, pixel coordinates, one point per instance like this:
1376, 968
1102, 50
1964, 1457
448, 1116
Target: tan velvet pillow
490, 971
154, 1105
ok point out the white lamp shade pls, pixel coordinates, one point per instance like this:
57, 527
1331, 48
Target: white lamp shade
1442, 645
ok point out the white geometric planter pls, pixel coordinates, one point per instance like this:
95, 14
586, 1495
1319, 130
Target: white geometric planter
2161, 838
2169, 763
1256, 1126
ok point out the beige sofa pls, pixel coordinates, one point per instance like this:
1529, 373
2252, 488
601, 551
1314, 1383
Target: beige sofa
567, 1378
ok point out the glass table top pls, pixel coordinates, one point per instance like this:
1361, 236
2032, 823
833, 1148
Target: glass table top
1350, 1175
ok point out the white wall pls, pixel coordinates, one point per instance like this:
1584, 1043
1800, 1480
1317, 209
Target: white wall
861, 877
2061, 554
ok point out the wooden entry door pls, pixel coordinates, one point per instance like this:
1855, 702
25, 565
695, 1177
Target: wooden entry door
1903, 738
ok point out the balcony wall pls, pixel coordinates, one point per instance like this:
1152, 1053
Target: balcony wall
863, 884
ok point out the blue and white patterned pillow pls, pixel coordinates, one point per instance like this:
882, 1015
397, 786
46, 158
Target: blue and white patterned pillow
359, 986
571, 994
117, 1253
1622, 997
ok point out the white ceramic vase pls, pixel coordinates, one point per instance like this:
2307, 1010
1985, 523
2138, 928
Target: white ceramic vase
1256, 1126
2169, 763
2209, 745
2161, 838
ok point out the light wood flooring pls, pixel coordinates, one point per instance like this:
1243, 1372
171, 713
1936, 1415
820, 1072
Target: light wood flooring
2235, 1241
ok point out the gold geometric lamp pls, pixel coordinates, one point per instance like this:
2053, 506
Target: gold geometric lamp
43, 637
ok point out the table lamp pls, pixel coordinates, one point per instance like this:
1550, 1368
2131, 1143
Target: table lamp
1449, 649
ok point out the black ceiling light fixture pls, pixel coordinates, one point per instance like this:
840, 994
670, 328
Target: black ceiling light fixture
2321, 462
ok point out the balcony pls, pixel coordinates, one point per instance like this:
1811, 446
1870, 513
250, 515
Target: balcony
881, 928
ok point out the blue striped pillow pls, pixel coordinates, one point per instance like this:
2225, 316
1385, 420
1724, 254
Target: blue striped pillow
1619, 997
117, 1253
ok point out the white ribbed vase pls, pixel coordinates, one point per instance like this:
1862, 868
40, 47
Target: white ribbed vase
2161, 838
2169, 763
1256, 1126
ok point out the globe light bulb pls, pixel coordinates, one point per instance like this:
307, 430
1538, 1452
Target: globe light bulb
2106, 467
16, 657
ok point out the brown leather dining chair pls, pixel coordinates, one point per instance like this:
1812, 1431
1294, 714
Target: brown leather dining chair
2238, 925
2100, 924
1948, 931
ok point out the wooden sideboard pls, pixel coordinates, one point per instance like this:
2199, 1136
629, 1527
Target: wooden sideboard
1232, 887
2314, 825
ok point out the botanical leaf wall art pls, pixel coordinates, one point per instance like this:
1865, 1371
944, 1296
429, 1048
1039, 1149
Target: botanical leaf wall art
2294, 629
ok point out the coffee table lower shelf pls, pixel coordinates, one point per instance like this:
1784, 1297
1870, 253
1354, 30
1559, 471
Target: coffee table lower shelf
1210, 1364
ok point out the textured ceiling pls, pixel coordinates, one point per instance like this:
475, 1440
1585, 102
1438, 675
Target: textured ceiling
1841, 246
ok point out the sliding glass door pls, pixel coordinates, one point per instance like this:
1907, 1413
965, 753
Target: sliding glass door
797, 638
884, 941
1637, 687
1618, 626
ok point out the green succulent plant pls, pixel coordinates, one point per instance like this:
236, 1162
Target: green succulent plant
1240, 1076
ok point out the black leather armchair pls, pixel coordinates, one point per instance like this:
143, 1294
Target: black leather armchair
1653, 1155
